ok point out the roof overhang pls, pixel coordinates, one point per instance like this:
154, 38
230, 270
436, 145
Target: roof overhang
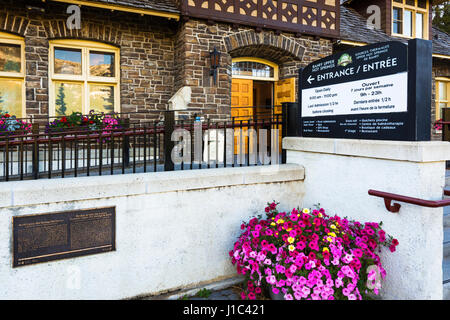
433, 1
441, 56
116, 7
360, 44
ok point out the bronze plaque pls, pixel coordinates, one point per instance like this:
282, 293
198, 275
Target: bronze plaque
61, 235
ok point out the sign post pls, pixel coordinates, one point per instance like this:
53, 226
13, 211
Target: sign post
377, 92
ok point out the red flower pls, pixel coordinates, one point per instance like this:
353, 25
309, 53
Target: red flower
64, 119
395, 242
7, 115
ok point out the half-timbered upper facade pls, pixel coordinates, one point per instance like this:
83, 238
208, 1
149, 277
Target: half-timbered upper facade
135, 55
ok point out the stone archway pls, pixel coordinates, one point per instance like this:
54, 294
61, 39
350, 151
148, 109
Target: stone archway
267, 45
287, 52
89, 31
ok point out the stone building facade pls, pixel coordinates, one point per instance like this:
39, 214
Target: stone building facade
162, 50
158, 56
146, 51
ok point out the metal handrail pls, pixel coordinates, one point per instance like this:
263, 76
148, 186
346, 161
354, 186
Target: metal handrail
389, 197
74, 135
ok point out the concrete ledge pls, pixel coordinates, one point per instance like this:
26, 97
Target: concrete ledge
427, 151
25, 193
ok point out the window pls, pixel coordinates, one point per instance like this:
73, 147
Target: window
84, 77
254, 68
410, 18
12, 74
442, 96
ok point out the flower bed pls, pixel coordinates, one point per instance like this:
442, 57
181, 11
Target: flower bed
310, 255
91, 122
10, 125
79, 122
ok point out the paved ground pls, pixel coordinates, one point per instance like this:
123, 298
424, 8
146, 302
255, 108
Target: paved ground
224, 294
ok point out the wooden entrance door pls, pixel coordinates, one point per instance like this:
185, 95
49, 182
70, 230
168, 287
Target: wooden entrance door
284, 92
241, 107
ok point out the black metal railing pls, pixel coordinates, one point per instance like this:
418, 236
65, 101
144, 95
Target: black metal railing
165, 144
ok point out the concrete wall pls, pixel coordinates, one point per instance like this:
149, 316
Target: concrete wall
338, 175
173, 229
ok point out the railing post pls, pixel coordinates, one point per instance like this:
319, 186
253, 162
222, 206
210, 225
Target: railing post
126, 144
169, 127
35, 158
290, 123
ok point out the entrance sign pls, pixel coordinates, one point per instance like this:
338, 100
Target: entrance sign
368, 93
54, 236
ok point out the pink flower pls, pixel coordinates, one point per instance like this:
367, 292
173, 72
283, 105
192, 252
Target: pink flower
280, 269
339, 282
271, 279
346, 292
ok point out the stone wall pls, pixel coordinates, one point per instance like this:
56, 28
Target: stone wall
146, 48
340, 172
173, 229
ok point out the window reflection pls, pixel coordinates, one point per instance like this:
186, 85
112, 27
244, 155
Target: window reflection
67, 61
101, 64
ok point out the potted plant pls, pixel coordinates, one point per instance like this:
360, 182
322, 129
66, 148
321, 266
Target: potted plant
306, 254
97, 122
10, 125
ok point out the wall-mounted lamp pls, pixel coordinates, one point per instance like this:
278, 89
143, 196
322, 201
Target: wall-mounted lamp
214, 57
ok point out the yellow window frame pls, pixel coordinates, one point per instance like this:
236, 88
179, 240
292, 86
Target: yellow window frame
8, 38
438, 102
258, 60
85, 78
415, 9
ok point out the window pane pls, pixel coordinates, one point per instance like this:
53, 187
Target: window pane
68, 98
411, 2
442, 91
101, 98
399, 1
407, 21
253, 69
422, 4
11, 97
397, 25
67, 61
10, 55
101, 64
419, 25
